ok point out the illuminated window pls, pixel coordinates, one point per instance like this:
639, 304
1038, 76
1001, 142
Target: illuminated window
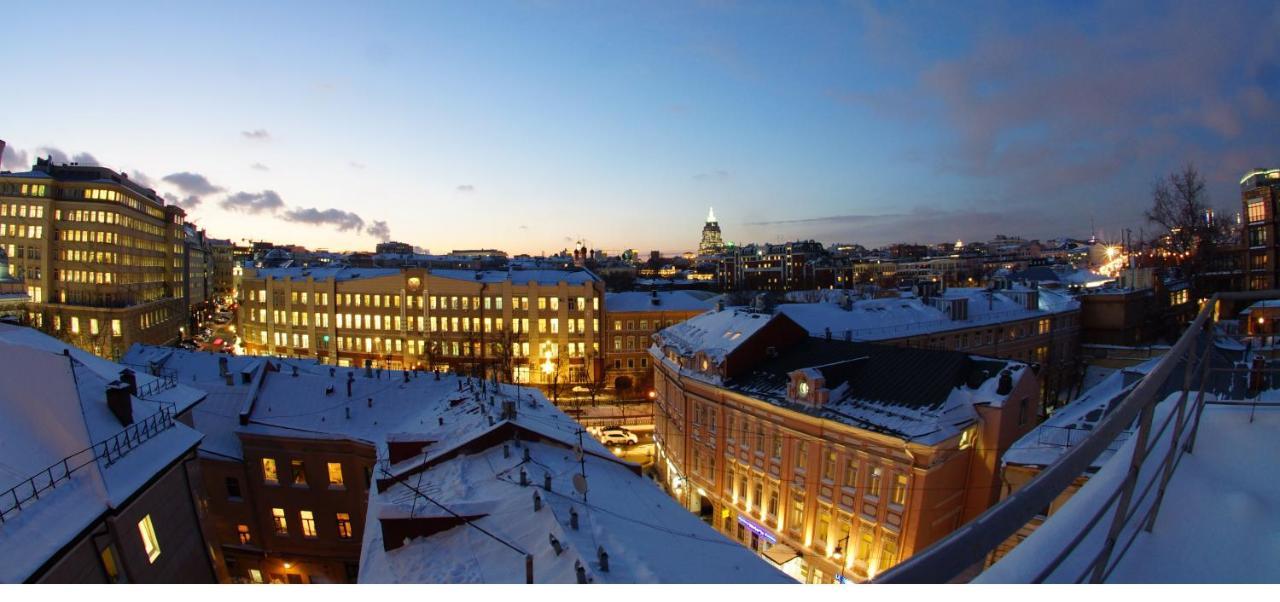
888, 551
795, 519
873, 481
308, 523
281, 524
269, 474
109, 565
150, 544
335, 474
299, 472
829, 466
1257, 211
866, 538
344, 525
255, 575
115, 328
899, 496
243, 532
851, 473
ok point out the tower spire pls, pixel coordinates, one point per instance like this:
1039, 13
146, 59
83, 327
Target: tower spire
711, 214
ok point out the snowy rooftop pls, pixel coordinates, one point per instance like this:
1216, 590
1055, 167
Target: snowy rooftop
666, 301
338, 273
894, 317
55, 408
542, 276
1217, 523
715, 333
648, 537
918, 395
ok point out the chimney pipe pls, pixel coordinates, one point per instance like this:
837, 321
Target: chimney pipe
603, 557
120, 401
573, 518
537, 502
127, 377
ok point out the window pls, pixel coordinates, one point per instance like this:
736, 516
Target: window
829, 466
335, 474
344, 525
255, 575
233, 487
888, 551
282, 525
269, 474
773, 505
873, 481
802, 450
899, 496
796, 518
851, 473
109, 565
1257, 236
308, 523
820, 529
299, 472
1257, 211
150, 544
243, 531
866, 538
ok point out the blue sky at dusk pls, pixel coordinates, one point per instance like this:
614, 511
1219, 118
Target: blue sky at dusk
529, 126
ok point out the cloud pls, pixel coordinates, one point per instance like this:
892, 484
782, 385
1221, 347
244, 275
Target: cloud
355, 165
192, 183
189, 203
142, 179
85, 159
465, 188
258, 134
339, 219
718, 174
524, 227
379, 230
249, 202
14, 159
259, 167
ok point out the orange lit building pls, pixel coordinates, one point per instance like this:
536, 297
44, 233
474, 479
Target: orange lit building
834, 459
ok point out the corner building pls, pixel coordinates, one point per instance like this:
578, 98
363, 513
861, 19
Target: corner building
527, 325
101, 256
833, 459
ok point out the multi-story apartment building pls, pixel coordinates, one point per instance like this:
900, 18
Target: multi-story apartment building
834, 459
632, 318
530, 325
779, 268
221, 256
98, 480
1260, 195
1010, 321
102, 256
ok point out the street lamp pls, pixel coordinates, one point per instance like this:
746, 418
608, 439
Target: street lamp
838, 554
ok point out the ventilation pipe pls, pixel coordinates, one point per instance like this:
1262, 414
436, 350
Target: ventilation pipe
537, 502
603, 558
555, 544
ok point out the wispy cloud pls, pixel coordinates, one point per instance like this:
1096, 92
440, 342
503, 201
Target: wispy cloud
253, 202
259, 167
258, 134
355, 165
14, 159
192, 183
714, 175
379, 230
465, 188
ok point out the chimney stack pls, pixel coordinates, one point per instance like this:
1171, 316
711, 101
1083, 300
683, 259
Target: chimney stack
127, 377
120, 401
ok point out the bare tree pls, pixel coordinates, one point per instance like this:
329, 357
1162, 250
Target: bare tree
1180, 204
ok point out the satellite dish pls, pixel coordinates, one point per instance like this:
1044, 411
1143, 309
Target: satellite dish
580, 483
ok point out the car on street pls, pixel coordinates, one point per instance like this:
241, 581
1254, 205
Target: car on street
616, 435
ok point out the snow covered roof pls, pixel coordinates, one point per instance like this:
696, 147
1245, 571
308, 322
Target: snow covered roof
1267, 304
337, 273
919, 395
666, 301
715, 333
541, 276
895, 317
413, 532
55, 409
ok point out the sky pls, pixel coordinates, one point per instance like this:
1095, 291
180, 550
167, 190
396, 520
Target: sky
530, 126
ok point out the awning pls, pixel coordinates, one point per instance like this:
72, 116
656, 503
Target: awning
781, 554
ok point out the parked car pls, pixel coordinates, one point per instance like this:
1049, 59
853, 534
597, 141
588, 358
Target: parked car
616, 435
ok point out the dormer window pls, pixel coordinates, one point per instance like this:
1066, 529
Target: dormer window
802, 389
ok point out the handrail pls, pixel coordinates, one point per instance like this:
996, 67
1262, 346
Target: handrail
969, 545
110, 449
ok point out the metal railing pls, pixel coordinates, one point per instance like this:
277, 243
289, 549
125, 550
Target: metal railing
110, 450
1132, 511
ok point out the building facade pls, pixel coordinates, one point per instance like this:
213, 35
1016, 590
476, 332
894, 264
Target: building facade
711, 243
828, 457
536, 325
632, 319
102, 257
1260, 196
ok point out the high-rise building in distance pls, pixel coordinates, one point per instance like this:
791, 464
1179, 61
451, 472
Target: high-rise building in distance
711, 242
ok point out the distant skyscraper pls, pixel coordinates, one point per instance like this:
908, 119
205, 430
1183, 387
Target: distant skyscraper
1260, 195
711, 243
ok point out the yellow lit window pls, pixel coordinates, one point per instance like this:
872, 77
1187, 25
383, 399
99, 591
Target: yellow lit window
269, 473
344, 525
335, 474
150, 544
282, 525
308, 523
243, 531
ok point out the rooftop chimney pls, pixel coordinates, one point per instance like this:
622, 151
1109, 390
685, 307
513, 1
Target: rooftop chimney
120, 401
1005, 386
127, 377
